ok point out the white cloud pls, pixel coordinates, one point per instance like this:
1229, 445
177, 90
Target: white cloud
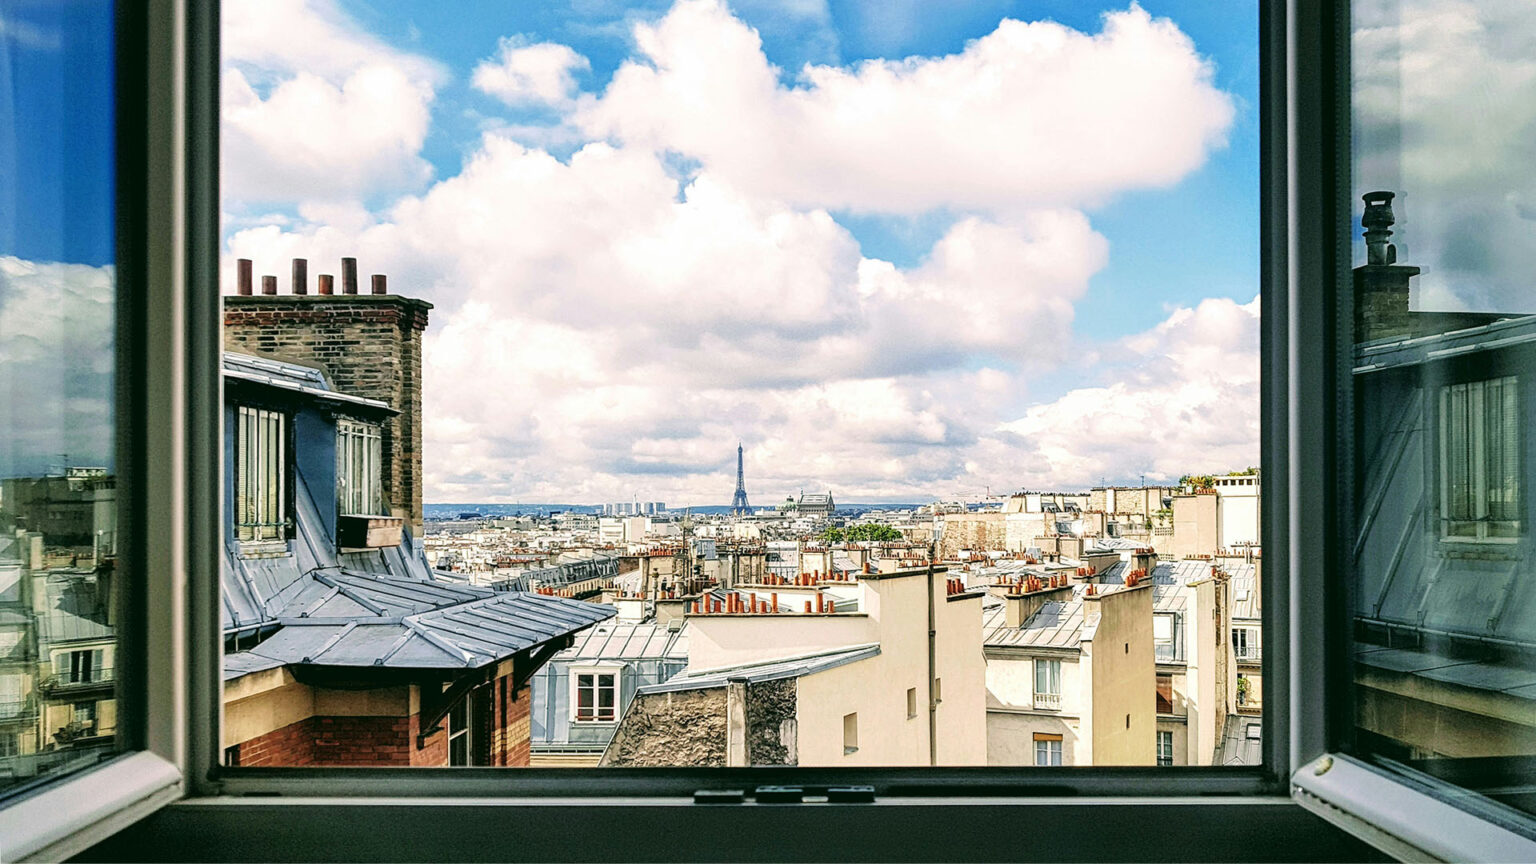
312, 107
1445, 115
1181, 397
530, 74
29, 35
1033, 114
56, 329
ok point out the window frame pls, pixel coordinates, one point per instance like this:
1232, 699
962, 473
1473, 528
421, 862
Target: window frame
1477, 440
179, 666
349, 434
168, 437
1309, 352
596, 671
274, 451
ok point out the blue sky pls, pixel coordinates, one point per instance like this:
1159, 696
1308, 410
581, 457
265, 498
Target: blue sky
900, 249
56, 84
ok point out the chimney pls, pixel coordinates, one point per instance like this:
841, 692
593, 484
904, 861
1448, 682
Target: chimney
1019, 607
243, 269
300, 276
349, 275
1381, 284
1144, 559
382, 360
380, 284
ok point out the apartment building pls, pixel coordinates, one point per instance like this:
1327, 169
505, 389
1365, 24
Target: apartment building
770, 682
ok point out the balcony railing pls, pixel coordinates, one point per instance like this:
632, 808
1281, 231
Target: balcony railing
1047, 701
65, 681
1249, 655
16, 709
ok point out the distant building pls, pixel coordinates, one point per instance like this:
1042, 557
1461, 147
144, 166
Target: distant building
775, 685
816, 505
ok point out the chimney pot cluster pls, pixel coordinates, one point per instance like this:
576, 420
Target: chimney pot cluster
244, 281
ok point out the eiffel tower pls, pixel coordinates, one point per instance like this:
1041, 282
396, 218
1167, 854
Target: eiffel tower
739, 503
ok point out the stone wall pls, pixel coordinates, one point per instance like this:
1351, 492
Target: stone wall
370, 344
685, 728
771, 723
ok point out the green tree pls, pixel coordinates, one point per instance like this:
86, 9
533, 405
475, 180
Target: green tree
832, 535
874, 532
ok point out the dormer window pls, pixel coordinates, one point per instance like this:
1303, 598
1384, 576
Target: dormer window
261, 475
1480, 460
359, 483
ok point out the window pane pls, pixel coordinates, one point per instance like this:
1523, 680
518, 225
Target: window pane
57, 460
1443, 616
835, 299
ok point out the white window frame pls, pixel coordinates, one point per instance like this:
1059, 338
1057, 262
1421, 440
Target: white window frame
1251, 649
176, 360
1164, 753
1050, 752
597, 672
359, 453
1478, 440
1050, 697
261, 474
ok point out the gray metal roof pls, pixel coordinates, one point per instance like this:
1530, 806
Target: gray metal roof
1057, 624
628, 641
1237, 746
74, 612
463, 635
1505, 333
290, 376
770, 670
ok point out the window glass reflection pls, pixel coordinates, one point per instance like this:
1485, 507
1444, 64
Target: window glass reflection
1444, 603
58, 527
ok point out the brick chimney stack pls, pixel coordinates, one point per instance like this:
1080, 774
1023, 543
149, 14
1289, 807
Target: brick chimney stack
1381, 284
370, 344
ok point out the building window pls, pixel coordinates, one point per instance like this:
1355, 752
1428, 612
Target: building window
1165, 638
597, 696
85, 666
1047, 749
1245, 643
261, 475
1164, 749
359, 480
1164, 694
850, 733
1480, 460
911, 702
85, 716
9, 746
1048, 684
459, 740
232, 756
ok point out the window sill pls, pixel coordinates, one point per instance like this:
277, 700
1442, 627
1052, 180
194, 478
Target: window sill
1398, 819
61, 819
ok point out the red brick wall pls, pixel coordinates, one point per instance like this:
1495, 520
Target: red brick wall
357, 741
435, 753
371, 346
511, 743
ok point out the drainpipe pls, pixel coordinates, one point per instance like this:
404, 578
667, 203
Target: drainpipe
933, 706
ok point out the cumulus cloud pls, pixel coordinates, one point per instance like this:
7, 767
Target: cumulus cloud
609, 324
313, 107
1033, 114
55, 365
1182, 396
1445, 117
530, 74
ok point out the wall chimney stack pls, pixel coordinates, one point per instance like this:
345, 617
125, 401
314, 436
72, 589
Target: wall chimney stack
326, 283
380, 284
269, 284
243, 269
